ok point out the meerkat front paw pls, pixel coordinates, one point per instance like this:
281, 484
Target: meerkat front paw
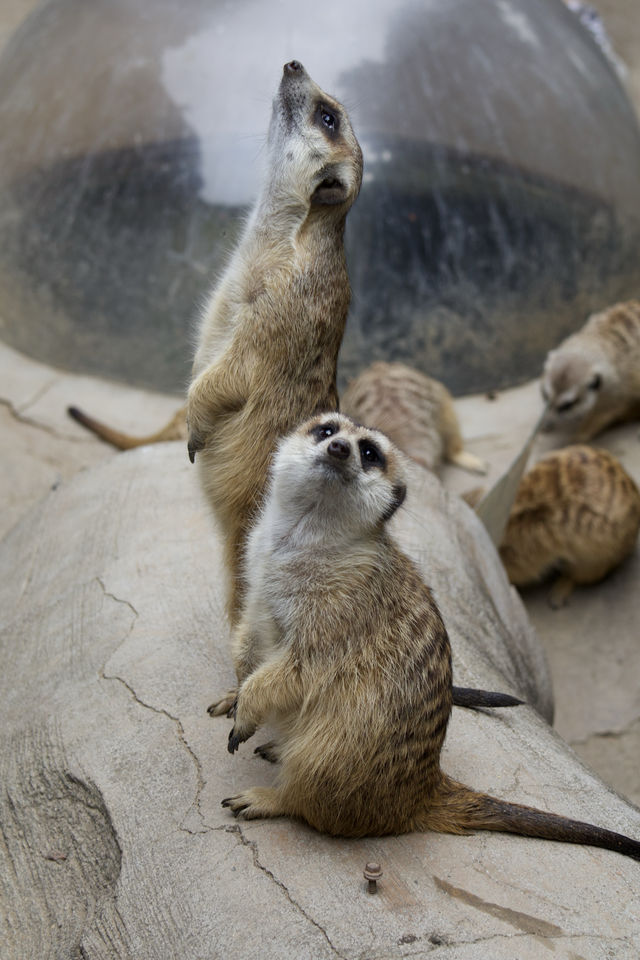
225, 706
195, 442
199, 418
238, 735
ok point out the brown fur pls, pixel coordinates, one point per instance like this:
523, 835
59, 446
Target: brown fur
592, 380
349, 657
270, 334
414, 410
577, 513
175, 429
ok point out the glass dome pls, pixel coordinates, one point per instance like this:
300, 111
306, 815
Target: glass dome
500, 203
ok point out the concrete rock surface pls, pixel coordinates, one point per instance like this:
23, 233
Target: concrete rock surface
114, 843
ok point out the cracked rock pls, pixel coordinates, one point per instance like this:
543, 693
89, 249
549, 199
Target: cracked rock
115, 845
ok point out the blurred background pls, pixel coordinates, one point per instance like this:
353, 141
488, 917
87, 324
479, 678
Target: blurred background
500, 203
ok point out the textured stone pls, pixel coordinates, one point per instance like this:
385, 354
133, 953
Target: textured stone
115, 844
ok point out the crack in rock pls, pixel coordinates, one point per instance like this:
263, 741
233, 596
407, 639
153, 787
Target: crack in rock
112, 596
202, 826
38, 425
253, 846
200, 781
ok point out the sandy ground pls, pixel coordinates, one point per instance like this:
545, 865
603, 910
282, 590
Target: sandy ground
592, 644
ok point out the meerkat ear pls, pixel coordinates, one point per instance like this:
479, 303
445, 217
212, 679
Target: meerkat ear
399, 494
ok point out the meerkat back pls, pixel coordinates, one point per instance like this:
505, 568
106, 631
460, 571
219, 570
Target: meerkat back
414, 410
576, 513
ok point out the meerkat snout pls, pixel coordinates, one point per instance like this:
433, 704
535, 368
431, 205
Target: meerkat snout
339, 449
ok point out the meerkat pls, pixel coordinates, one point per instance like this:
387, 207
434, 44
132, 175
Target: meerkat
271, 330
576, 514
592, 380
175, 429
346, 652
414, 410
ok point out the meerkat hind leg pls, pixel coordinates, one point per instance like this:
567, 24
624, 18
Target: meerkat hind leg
224, 706
560, 591
256, 803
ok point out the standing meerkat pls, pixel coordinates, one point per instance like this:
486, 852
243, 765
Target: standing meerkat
347, 654
271, 330
577, 514
414, 410
592, 379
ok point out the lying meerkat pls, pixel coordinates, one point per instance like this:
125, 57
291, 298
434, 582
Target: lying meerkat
346, 652
271, 330
592, 380
577, 514
175, 429
414, 410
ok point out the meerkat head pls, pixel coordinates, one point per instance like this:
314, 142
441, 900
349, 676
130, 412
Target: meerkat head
315, 157
342, 476
571, 383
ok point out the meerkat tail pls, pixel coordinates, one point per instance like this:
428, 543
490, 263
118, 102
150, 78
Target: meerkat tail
458, 809
123, 441
470, 697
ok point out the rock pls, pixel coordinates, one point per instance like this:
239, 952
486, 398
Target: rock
114, 841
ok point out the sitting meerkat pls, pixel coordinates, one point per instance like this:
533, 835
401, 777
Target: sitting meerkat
576, 514
345, 651
414, 410
271, 330
592, 380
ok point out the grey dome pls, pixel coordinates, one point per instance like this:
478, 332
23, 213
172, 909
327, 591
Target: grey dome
500, 204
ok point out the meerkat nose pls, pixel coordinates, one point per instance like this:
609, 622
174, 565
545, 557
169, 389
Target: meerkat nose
294, 66
339, 449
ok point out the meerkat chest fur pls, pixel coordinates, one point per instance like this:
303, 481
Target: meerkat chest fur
299, 561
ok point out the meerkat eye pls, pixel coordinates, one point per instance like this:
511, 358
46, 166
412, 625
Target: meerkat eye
328, 118
563, 407
323, 430
371, 455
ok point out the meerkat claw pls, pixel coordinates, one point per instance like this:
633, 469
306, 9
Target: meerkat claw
234, 741
193, 446
237, 805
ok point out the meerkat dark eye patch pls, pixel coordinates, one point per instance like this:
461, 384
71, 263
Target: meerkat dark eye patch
328, 119
596, 382
324, 430
567, 405
371, 455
